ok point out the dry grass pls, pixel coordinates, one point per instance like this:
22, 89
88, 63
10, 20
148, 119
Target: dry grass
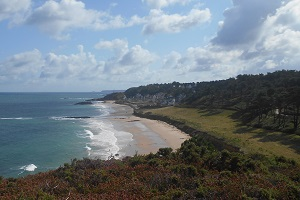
251, 140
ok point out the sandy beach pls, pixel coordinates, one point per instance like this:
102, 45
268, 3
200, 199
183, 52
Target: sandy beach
148, 135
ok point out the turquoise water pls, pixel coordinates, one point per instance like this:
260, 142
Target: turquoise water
35, 136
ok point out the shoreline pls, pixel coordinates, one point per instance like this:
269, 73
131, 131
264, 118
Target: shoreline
148, 135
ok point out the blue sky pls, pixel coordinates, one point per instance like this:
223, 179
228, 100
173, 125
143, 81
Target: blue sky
76, 45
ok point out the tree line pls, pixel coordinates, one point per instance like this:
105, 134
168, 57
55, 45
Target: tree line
271, 100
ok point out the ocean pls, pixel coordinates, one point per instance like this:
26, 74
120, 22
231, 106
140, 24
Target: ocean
42, 131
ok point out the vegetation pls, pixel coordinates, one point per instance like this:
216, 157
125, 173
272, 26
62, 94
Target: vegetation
196, 171
260, 114
270, 101
220, 124
111, 96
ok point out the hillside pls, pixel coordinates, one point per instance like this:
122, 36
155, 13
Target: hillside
270, 101
218, 126
196, 171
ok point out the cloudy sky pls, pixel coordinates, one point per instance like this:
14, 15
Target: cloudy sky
93, 45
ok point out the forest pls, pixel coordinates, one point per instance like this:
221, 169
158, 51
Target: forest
271, 100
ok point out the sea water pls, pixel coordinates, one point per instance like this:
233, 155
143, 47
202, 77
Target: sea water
42, 131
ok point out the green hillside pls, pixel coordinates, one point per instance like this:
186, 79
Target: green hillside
271, 101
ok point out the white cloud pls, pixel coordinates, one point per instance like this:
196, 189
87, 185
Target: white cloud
255, 37
209, 59
82, 67
120, 47
277, 45
243, 22
78, 66
32, 66
158, 21
171, 59
202, 59
137, 56
58, 17
126, 60
164, 3
269, 64
272, 46
14, 10
22, 66
132, 60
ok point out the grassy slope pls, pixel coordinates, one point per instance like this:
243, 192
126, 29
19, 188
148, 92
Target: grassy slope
220, 124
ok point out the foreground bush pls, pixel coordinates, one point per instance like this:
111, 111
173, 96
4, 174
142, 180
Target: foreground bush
196, 170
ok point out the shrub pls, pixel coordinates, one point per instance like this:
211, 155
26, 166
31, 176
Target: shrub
175, 194
225, 174
266, 194
202, 171
175, 180
201, 192
136, 160
186, 170
165, 152
235, 164
150, 156
43, 195
155, 162
293, 192
190, 152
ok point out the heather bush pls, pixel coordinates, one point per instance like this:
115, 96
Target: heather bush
195, 171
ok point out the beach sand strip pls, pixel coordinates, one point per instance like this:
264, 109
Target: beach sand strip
148, 135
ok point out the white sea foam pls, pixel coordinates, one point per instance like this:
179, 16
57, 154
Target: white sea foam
58, 118
105, 141
105, 111
88, 148
16, 118
89, 134
29, 168
63, 118
77, 98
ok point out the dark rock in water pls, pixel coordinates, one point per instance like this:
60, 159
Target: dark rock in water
84, 103
81, 117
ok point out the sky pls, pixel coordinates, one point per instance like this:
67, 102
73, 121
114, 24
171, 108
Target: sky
94, 45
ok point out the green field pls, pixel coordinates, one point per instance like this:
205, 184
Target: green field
220, 124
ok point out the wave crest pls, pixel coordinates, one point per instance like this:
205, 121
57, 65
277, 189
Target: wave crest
15, 118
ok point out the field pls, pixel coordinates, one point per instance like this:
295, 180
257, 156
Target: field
220, 124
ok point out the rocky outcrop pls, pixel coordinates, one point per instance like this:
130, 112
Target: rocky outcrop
80, 117
84, 103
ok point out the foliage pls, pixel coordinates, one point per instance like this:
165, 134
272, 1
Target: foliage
212, 174
217, 126
270, 101
114, 96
